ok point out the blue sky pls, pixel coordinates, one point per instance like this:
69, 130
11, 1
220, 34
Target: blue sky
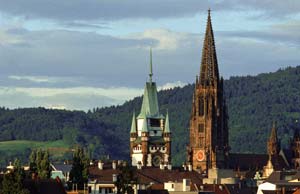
82, 54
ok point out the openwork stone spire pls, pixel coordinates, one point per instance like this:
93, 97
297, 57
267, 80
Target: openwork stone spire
209, 73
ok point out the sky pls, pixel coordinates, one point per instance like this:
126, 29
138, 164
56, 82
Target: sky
82, 54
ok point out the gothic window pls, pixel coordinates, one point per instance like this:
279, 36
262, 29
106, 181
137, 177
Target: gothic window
201, 142
201, 128
207, 105
201, 106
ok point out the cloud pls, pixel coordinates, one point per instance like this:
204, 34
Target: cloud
94, 9
164, 39
37, 79
61, 58
108, 10
79, 98
286, 33
172, 85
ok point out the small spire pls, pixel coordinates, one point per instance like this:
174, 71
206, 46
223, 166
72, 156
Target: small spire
274, 132
151, 71
167, 125
133, 124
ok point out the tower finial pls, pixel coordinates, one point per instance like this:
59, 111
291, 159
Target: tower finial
151, 72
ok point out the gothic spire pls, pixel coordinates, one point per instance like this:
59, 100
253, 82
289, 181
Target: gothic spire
273, 142
209, 72
273, 136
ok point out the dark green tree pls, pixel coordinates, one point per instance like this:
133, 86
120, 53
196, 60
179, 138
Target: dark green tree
39, 163
79, 172
125, 179
13, 181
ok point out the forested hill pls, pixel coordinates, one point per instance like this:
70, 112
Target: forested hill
254, 102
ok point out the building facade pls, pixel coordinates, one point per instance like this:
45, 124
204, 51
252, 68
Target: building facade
208, 146
150, 135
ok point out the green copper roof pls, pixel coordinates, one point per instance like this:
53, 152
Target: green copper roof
133, 124
150, 102
167, 125
145, 126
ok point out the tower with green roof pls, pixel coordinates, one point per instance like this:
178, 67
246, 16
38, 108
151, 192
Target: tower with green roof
150, 134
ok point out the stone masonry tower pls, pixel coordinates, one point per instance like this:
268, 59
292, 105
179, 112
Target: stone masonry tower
208, 146
150, 135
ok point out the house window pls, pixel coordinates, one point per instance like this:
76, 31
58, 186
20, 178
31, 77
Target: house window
172, 186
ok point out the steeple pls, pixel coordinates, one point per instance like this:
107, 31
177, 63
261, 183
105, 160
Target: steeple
209, 73
151, 72
133, 124
150, 102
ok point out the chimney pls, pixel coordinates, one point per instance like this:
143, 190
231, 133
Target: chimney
100, 165
120, 162
114, 177
184, 166
114, 165
162, 166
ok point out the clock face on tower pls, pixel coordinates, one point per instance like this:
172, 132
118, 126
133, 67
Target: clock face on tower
156, 160
200, 155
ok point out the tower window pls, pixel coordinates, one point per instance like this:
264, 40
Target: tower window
201, 142
154, 122
201, 128
201, 106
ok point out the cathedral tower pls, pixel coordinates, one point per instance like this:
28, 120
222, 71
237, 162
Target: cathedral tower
208, 123
150, 135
